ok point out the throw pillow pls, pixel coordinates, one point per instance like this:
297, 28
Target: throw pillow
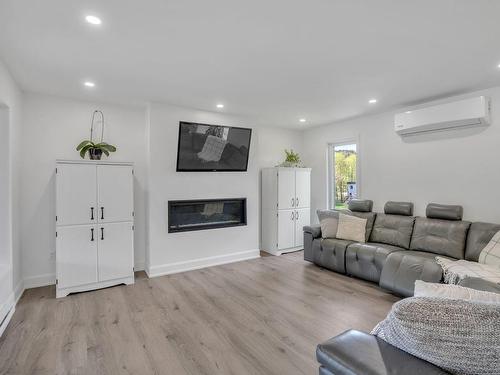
329, 221
351, 228
491, 252
425, 289
459, 336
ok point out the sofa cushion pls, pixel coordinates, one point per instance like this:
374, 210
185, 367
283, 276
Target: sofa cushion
459, 336
480, 284
366, 260
438, 236
351, 228
425, 289
444, 211
360, 205
330, 253
479, 236
398, 208
355, 352
393, 230
329, 222
402, 268
370, 219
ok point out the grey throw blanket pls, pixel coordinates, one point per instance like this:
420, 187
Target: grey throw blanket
461, 337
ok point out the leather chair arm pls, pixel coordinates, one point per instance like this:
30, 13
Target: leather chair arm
314, 230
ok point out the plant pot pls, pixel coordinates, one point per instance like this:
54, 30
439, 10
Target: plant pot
95, 154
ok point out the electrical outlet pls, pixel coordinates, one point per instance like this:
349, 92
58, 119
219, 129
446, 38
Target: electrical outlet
52, 256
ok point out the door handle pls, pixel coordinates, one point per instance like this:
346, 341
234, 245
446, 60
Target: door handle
102, 213
102, 234
91, 213
92, 234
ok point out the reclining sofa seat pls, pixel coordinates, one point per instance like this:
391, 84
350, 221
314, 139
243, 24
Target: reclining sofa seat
391, 232
441, 233
330, 252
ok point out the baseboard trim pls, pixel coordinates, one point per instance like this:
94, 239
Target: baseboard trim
19, 291
195, 264
140, 266
38, 281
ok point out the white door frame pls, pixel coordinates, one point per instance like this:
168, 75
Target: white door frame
330, 175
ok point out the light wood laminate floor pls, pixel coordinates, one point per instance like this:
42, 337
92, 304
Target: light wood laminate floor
262, 316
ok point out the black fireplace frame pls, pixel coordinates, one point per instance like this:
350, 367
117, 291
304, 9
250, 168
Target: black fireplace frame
208, 226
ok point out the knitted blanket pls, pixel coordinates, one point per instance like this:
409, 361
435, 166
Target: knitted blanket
456, 270
461, 337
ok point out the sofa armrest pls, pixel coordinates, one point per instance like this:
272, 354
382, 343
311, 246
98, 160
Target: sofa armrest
355, 352
480, 284
314, 230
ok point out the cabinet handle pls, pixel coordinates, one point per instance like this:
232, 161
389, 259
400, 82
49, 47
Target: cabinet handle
293, 202
292, 216
296, 215
92, 234
102, 234
102, 213
296, 202
91, 213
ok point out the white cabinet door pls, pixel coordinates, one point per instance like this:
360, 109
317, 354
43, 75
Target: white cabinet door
76, 255
76, 201
286, 229
302, 218
286, 188
116, 251
303, 188
115, 186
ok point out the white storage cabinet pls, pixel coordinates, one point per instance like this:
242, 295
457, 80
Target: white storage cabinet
94, 225
286, 201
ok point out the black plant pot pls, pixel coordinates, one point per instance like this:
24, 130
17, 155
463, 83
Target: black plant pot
95, 154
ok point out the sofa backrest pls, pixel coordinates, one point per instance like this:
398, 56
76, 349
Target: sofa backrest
479, 236
395, 225
442, 233
362, 208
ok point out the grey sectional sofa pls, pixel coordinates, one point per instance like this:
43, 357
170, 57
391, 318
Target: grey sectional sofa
400, 248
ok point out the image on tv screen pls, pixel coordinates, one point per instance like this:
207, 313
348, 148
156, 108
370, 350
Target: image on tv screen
205, 147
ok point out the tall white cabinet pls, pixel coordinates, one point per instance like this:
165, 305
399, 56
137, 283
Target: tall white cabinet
286, 202
94, 225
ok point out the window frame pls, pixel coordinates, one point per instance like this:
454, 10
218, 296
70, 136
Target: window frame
330, 183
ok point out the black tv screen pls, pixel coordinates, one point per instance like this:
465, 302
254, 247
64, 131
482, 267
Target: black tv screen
205, 147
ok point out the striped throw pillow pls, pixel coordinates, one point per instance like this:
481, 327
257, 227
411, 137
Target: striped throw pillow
491, 252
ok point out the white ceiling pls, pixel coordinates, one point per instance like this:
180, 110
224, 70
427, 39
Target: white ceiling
274, 61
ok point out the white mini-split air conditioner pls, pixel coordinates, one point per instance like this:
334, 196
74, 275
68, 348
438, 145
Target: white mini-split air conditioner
462, 113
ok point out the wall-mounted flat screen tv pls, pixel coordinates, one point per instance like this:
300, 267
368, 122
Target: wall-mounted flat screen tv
212, 148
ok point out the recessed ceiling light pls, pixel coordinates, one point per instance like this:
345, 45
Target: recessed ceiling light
302, 120
408, 112
89, 84
372, 101
220, 105
93, 20
498, 65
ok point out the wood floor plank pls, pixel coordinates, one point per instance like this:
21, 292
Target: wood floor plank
262, 316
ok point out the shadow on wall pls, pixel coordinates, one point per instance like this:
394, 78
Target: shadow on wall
439, 135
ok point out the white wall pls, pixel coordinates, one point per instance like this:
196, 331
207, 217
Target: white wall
169, 252
11, 101
451, 167
52, 128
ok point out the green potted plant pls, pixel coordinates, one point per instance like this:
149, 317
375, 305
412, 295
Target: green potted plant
292, 159
95, 150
